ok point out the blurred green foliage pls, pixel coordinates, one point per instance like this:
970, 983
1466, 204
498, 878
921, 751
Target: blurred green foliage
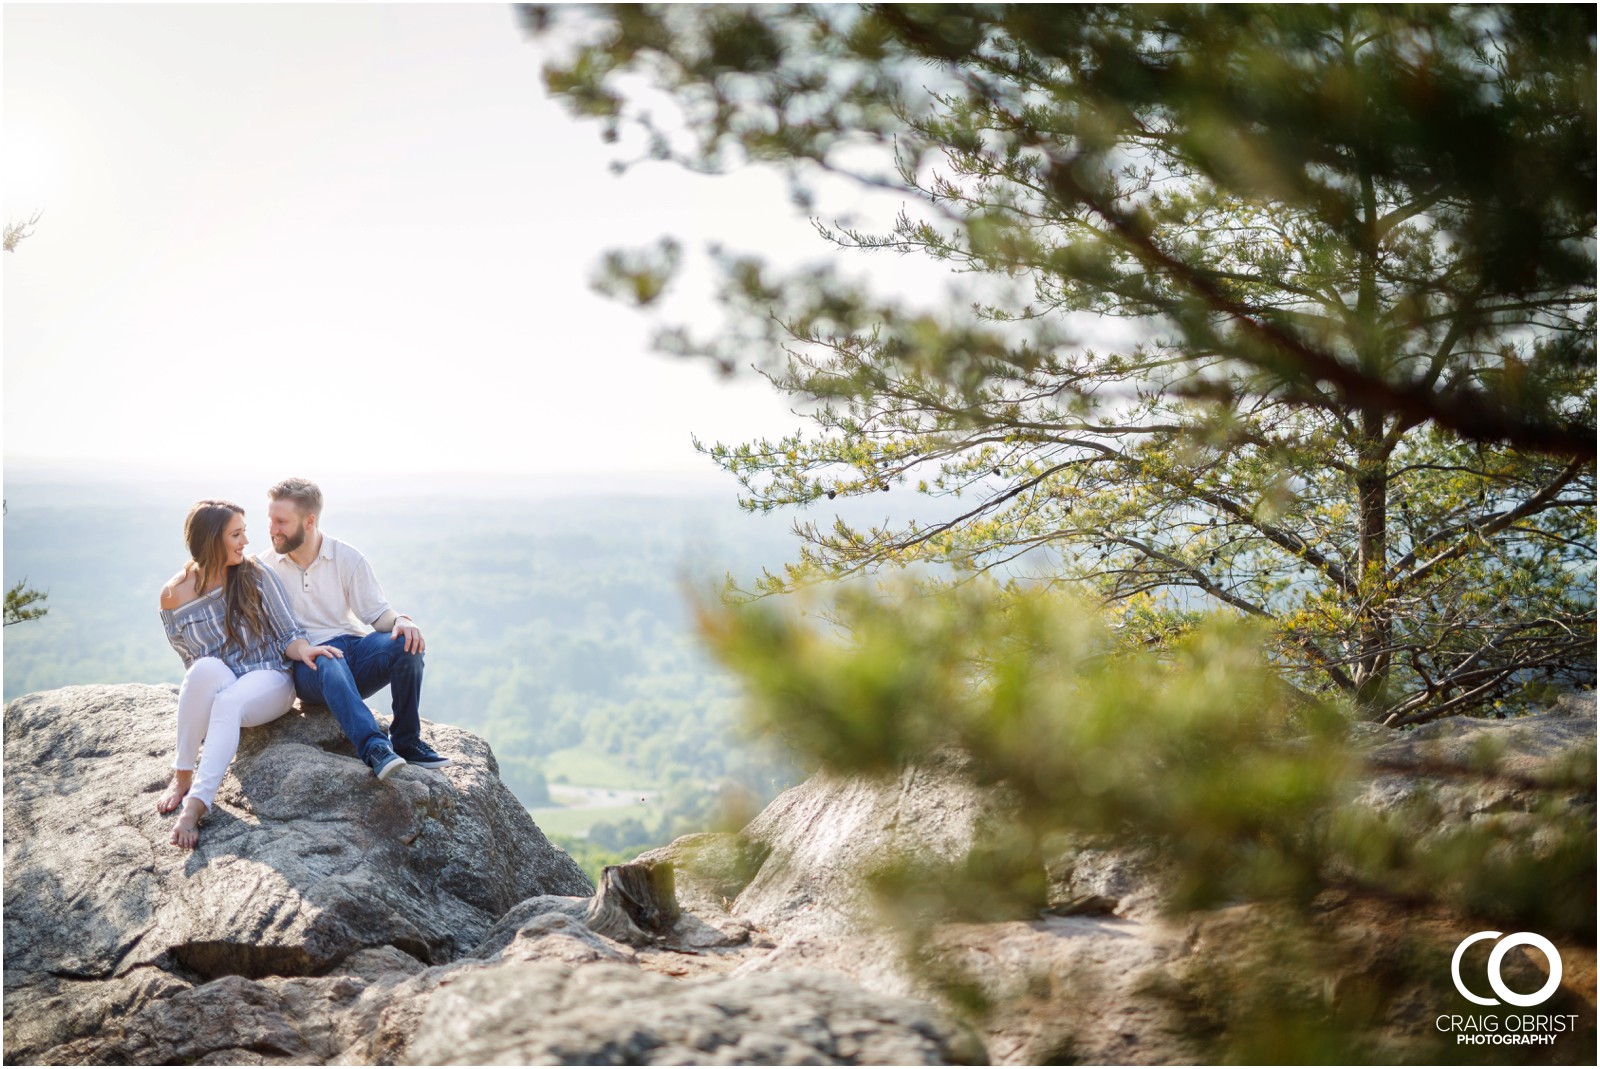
592, 857
1247, 792
1199, 746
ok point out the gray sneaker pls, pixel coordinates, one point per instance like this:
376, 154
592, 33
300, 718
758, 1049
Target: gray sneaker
384, 762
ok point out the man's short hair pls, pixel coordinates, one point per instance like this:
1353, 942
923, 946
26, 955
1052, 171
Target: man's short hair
305, 494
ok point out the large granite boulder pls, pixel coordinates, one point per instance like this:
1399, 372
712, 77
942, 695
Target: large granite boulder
817, 841
304, 860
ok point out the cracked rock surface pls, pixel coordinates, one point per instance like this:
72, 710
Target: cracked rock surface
305, 859
328, 918
331, 919
552, 1013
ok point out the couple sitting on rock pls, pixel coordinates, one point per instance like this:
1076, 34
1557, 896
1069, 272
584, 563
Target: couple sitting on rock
240, 623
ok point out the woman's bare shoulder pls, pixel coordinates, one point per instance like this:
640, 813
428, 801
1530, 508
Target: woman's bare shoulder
180, 589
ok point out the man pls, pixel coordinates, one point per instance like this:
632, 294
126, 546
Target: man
336, 598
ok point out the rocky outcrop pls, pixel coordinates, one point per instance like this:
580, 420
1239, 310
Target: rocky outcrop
304, 860
818, 840
1472, 768
1104, 974
330, 918
557, 993
547, 1013
1056, 986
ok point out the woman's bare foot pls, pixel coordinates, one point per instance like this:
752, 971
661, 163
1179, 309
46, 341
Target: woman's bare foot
186, 833
172, 798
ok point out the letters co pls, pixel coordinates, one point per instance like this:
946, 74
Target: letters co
1497, 957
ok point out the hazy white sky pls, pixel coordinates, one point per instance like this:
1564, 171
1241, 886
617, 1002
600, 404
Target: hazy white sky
302, 238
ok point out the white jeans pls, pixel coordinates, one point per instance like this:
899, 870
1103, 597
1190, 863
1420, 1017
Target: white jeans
213, 704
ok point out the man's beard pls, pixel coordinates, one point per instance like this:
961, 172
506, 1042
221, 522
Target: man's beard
291, 542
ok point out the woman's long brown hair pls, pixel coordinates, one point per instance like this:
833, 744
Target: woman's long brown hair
203, 530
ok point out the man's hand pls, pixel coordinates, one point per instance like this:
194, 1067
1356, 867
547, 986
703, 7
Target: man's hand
411, 633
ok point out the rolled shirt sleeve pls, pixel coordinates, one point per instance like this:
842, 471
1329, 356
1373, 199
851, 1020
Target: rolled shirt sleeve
169, 621
285, 629
363, 594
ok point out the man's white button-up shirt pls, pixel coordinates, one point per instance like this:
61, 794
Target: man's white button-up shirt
336, 595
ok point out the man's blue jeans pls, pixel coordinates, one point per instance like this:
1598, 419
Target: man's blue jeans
370, 664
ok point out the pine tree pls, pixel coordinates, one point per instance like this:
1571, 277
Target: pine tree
23, 603
1348, 253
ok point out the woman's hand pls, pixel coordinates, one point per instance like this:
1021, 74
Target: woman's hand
304, 652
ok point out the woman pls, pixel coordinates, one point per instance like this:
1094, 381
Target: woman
229, 620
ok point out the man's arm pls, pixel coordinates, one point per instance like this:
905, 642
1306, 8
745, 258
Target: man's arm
368, 603
401, 626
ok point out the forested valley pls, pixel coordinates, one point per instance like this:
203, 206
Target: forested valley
559, 629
